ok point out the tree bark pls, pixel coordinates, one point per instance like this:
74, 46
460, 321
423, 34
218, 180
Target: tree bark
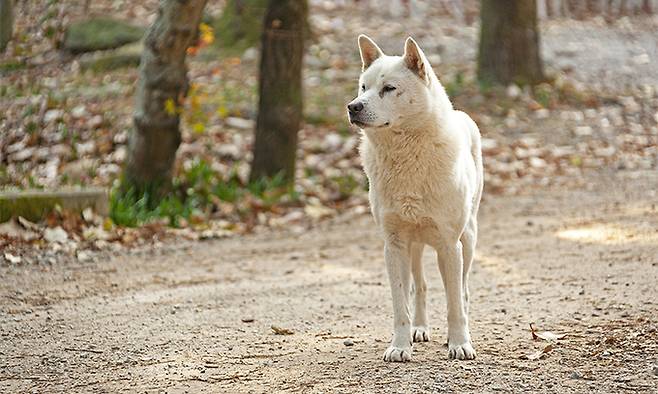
509, 43
162, 87
6, 23
280, 107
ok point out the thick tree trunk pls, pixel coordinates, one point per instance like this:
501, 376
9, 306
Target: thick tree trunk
160, 91
280, 107
509, 42
6, 23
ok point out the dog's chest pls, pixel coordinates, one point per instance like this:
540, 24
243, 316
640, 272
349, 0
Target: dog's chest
405, 187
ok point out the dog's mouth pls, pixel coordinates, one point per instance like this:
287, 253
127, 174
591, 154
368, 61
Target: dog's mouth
364, 125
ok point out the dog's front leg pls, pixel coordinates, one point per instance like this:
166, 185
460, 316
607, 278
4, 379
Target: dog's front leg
399, 275
451, 265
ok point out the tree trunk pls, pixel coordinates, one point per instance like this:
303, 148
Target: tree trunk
6, 23
161, 89
509, 42
280, 106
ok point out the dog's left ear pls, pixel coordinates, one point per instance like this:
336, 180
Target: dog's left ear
415, 60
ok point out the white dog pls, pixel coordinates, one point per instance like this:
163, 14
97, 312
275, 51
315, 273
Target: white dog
424, 164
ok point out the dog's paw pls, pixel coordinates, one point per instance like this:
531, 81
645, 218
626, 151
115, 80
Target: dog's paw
420, 333
397, 354
463, 351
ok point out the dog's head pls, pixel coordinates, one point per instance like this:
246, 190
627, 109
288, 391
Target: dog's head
393, 90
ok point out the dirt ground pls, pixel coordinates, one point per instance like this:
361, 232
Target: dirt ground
579, 262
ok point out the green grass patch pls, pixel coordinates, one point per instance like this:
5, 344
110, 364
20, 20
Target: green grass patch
195, 195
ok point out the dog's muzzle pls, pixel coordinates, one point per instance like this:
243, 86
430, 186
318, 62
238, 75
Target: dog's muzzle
354, 110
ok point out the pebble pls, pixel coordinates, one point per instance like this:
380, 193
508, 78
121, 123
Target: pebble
575, 375
250, 55
56, 234
79, 111
583, 131
641, 59
239, 123
513, 91
542, 113
348, 342
53, 115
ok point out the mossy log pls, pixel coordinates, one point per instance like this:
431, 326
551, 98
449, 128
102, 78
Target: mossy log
98, 34
35, 205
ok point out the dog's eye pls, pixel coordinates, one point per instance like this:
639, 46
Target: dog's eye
363, 88
388, 88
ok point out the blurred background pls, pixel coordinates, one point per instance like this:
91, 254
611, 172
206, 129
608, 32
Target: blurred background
170, 152
134, 134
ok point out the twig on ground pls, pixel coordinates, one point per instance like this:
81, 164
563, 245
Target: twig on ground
71, 349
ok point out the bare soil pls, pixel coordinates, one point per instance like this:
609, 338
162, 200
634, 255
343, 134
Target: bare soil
198, 319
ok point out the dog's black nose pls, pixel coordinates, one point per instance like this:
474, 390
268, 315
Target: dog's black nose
355, 107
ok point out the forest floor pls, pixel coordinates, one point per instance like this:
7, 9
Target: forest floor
583, 263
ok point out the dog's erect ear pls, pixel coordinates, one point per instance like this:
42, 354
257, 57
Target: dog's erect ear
415, 60
369, 51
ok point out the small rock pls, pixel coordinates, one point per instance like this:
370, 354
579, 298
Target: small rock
250, 55
13, 259
56, 234
605, 152
513, 91
239, 123
575, 375
79, 111
85, 148
247, 319
583, 131
641, 59
119, 155
120, 138
83, 256
489, 144
61, 150
53, 115
655, 370
95, 122
537, 162
542, 113
348, 342
332, 142
229, 151
22, 155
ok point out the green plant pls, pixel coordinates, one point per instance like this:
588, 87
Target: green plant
456, 86
193, 193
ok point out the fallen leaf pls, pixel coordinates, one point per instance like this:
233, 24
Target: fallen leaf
318, 211
540, 353
545, 335
281, 331
56, 234
12, 259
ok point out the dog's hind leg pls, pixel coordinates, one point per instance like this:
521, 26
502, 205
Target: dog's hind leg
420, 330
452, 268
469, 239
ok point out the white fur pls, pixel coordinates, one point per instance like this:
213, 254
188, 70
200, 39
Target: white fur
424, 164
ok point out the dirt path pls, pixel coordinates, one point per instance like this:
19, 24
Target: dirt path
584, 263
